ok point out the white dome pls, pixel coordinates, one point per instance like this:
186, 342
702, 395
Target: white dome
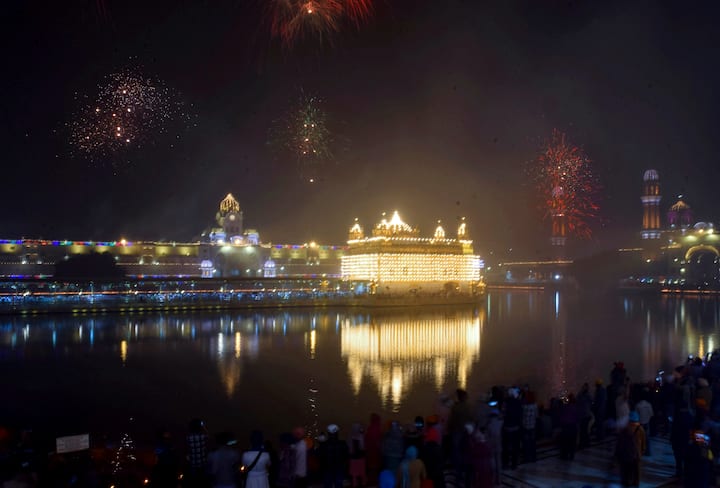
651, 175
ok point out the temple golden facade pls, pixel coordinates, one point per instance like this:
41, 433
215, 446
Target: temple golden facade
397, 260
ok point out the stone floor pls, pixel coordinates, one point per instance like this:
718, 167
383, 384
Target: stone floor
593, 468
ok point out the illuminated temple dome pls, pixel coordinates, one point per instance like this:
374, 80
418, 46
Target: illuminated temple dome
395, 259
356, 231
394, 227
230, 219
680, 215
228, 204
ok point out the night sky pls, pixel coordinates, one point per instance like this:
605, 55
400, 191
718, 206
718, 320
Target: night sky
435, 107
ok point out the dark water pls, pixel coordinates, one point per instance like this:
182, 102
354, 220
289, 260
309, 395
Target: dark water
276, 369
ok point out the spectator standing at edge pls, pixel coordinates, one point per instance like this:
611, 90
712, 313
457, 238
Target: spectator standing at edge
286, 461
584, 407
460, 414
431, 453
600, 409
392, 447
481, 458
529, 424
494, 437
196, 445
628, 449
373, 448
622, 410
645, 413
223, 462
300, 450
358, 472
511, 429
257, 477
274, 465
333, 458
165, 471
568, 428
411, 471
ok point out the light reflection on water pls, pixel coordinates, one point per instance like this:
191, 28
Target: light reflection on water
398, 352
275, 369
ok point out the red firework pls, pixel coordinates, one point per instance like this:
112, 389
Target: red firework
567, 185
291, 20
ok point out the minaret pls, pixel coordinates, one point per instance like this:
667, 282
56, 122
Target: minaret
651, 205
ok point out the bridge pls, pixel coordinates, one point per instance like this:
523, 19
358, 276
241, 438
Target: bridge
530, 273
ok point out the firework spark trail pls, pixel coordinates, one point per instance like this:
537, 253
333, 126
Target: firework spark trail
291, 20
304, 136
566, 184
128, 111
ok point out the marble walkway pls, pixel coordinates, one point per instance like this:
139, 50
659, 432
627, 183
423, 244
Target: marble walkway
593, 468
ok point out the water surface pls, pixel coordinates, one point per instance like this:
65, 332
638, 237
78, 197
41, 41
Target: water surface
276, 369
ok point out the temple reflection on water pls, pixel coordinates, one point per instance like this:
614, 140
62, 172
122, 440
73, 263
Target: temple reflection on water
397, 352
330, 361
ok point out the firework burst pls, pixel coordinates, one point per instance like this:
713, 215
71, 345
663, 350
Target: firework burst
291, 20
128, 111
566, 184
304, 136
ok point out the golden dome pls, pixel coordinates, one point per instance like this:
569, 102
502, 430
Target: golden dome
394, 227
229, 204
356, 231
439, 232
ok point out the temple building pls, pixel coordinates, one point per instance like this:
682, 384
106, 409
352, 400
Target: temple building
677, 250
396, 259
225, 250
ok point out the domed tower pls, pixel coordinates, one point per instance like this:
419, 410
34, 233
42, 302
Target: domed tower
395, 227
462, 230
230, 217
356, 232
680, 215
439, 232
651, 205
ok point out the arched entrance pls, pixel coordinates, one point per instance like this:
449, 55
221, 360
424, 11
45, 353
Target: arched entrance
703, 266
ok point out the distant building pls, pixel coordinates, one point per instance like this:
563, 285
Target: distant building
397, 260
678, 251
225, 250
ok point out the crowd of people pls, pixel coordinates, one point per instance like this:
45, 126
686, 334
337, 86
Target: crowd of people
470, 442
